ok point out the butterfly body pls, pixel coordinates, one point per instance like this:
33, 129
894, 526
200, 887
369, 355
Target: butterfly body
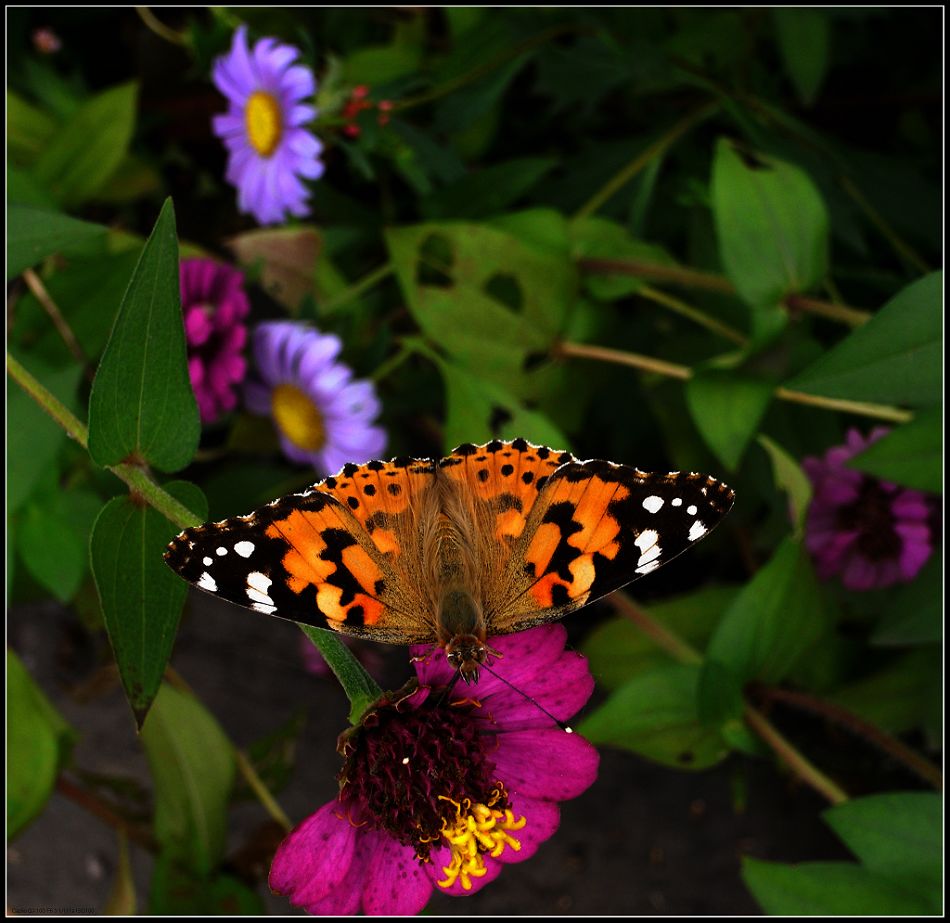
487, 541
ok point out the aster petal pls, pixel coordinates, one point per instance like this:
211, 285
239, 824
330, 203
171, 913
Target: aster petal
300, 115
240, 61
303, 144
297, 83
321, 352
394, 883
257, 398
297, 454
231, 123
315, 857
547, 764
274, 345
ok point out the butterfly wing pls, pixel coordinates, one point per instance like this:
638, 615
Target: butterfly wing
340, 555
596, 526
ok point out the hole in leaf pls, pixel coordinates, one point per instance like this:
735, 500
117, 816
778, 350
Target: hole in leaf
750, 160
499, 417
535, 360
504, 287
434, 265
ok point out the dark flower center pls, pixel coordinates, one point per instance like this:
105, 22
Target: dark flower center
872, 516
408, 770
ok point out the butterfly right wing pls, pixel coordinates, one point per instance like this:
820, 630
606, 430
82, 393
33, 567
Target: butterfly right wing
334, 556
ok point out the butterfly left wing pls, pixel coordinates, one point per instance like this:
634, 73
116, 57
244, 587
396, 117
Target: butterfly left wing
594, 527
338, 555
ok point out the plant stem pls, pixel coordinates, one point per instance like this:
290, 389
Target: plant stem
97, 807
793, 759
693, 314
136, 478
694, 278
264, 796
158, 27
893, 747
665, 639
650, 153
35, 285
352, 292
682, 652
360, 688
682, 372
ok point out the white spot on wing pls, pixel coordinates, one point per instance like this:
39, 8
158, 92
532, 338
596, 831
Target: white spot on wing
649, 566
647, 539
207, 561
266, 608
691, 509
697, 530
246, 549
206, 582
677, 501
653, 504
222, 551
257, 586
651, 554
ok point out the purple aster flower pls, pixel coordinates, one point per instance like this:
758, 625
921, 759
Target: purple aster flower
324, 416
214, 306
873, 533
268, 149
443, 794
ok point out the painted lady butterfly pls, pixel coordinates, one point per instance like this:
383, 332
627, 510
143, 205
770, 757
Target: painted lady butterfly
488, 541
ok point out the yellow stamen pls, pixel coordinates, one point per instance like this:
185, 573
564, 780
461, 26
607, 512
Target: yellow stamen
264, 124
297, 417
477, 829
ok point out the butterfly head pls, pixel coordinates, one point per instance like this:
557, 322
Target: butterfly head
466, 653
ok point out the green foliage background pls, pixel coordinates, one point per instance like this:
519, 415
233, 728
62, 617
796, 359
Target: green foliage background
676, 238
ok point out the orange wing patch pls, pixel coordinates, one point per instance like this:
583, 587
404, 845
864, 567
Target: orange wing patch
382, 496
506, 475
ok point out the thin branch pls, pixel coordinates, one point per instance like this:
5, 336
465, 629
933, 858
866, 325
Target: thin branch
159, 28
661, 636
795, 761
35, 285
97, 807
682, 372
693, 314
893, 747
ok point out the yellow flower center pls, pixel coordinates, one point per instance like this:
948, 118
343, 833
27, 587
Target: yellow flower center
477, 829
264, 125
297, 417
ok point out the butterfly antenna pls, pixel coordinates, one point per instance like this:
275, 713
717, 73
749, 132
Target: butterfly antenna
564, 727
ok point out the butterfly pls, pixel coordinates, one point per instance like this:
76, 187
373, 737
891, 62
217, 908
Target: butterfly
490, 540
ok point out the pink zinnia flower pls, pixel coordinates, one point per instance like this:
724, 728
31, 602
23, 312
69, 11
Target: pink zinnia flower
443, 793
214, 306
873, 533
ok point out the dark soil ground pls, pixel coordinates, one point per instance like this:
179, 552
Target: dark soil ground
642, 840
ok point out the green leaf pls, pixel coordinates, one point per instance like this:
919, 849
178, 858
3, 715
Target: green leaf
34, 439
896, 357
804, 39
791, 478
29, 129
193, 769
914, 614
85, 152
33, 234
900, 697
771, 224
489, 190
38, 741
898, 835
776, 617
617, 650
911, 455
141, 598
479, 410
727, 407
53, 536
654, 714
483, 295
601, 239
142, 405
177, 892
827, 889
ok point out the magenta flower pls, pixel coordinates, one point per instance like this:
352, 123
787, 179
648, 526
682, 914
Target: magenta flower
873, 533
323, 416
268, 148
443, 794
214, 306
